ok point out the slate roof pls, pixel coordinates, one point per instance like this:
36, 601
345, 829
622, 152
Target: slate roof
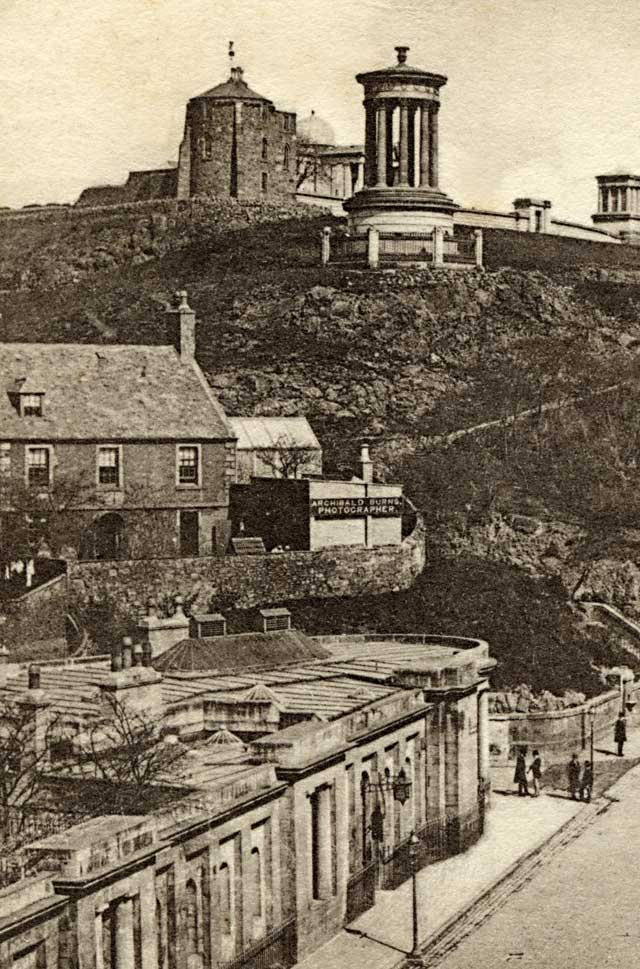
243, 651
235, 90
264, 433
95, 392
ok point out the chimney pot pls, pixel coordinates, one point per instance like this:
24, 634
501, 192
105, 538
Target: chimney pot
179, 602
366, 464
137, 655
34, 677
126, 653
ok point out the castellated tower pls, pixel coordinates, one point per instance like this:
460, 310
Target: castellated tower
237, 144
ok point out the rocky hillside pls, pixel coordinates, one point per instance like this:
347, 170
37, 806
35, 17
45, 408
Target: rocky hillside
359, 353
402, 357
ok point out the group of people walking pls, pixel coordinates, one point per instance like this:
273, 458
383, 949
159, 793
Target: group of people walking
580, 777
520, 777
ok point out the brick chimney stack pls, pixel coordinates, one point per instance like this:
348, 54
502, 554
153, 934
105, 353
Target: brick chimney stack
183, 328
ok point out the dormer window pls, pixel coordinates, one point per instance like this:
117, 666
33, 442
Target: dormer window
27, 397
31, 405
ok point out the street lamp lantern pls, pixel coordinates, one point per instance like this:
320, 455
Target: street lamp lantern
402, 787
415, 959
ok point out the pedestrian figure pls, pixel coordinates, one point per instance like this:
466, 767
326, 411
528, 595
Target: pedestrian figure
573, 773
586, 781
520, 776
620, 732
536, 772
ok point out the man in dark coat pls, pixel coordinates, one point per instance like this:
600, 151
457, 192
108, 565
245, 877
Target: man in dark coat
573, 775
520, 776
535, 769
620, 733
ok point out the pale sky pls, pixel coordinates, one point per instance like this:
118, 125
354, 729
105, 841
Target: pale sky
542, 94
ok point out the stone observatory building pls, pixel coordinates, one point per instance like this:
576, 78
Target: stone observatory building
236, 144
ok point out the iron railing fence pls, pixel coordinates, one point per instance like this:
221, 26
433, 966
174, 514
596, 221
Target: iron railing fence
278, 948
406, 246
461, 250
438, 839
361, 891
351, 248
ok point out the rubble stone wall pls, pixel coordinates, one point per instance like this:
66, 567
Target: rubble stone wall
252, 580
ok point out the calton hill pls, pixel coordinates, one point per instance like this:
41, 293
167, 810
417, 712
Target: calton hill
529, 513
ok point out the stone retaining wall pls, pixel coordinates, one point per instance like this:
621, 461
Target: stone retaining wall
252, 580
559, 733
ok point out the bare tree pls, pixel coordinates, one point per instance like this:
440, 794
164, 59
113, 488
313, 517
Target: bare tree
286, 458
24, 756
128, 747
312, 167
32, 516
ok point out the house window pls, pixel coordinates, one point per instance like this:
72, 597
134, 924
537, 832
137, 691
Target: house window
264, 181
109, 466
189, 465
265, 149
38, 466
31, 405
285, 160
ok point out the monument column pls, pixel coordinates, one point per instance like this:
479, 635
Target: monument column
424, 145
404, 142
370, 143
413, 181
433, 145
381, 152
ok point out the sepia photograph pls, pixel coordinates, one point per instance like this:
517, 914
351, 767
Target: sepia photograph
319, 463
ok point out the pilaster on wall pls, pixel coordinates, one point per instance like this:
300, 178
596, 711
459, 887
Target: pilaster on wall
436, 763
461, 753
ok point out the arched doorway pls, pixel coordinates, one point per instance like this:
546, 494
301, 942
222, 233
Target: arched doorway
109, 537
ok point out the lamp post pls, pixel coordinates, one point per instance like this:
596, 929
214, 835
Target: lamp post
592, 719
415, 958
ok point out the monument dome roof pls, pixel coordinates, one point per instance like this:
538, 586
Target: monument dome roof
315, 130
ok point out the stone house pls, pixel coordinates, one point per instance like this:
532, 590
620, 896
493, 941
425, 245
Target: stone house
275, 842
127, 444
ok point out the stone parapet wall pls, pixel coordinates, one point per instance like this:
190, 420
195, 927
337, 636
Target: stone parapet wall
252, 580
542, 251
558, 733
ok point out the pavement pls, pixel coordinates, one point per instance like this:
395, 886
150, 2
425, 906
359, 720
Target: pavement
516, 830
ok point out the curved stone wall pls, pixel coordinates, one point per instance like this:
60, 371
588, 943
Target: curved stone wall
558, 733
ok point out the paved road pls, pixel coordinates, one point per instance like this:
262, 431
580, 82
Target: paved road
579, 909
